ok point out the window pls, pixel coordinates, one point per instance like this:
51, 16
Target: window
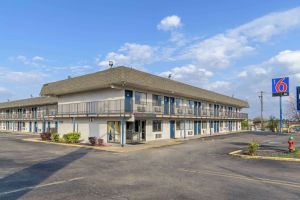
140, 98
189, 125
179, 125
178, 102
204, 125
156, 99
113, 131
191, 103
156, 126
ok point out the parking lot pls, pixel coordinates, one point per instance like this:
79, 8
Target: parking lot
195, 169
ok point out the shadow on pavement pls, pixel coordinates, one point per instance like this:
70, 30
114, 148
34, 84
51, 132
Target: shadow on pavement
36, 174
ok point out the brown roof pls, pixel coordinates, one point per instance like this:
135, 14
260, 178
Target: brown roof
124, 76
36, 101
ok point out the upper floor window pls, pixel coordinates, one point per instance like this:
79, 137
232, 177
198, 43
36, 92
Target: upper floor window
178, 102
156, 99
190, 103
140, 98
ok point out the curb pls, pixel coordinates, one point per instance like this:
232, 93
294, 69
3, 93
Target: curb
237, 153
72, 145
104, 148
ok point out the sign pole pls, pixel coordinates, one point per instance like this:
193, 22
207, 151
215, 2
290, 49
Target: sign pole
280, 99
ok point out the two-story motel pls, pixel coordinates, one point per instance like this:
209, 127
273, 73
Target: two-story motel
124, 105
34, 115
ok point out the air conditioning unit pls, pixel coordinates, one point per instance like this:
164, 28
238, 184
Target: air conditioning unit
179, 111
157, 109
141, 109
190, 132
190, 111
157, 136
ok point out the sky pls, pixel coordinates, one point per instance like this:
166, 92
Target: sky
232, 47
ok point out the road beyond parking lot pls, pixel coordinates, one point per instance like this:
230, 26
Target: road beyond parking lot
195, 169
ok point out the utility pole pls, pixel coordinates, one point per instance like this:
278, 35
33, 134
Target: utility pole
261, 97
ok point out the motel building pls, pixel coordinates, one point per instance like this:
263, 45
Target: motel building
123, 105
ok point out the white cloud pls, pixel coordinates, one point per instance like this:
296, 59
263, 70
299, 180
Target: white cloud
217, 85
262, 29
18, 76
34, 61
38, 58
289, 59
4, 90
169, 23
243, 74
188, 71
220, 50
259, 71
130, 54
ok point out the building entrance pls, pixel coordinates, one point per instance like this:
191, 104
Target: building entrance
136, 131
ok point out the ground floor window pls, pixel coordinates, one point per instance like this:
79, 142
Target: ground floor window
189, 125
156, 126
204, 125
179, 125
113, 131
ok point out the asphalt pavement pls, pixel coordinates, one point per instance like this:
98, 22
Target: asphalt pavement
195, 169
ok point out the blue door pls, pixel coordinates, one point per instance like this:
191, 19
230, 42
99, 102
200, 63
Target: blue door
56, 125
35, 127
49, 125
199, 109
195, 127
128, 100
30, 126
44, 127
166, 105
172, 100
215, 126
199, 127
195, 108
172, 129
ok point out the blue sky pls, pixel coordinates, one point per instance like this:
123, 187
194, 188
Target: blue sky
233, 47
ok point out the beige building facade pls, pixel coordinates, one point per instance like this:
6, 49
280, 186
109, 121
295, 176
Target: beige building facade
124, 105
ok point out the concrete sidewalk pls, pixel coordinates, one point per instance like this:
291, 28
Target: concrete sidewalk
114, 147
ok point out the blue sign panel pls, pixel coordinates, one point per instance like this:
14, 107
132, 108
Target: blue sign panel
298, 98
280, 86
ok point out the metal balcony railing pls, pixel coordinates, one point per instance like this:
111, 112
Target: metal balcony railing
120, 107
108, 107
28, 115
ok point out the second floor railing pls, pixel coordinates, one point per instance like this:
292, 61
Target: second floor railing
108, 107
121, 106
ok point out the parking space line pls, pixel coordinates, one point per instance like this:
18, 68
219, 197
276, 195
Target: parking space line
41, 186
255, 179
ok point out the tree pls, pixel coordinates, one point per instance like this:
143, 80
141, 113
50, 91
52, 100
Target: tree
292, 112
273, 123
245, 125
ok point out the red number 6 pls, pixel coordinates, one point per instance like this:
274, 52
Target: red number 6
279, 84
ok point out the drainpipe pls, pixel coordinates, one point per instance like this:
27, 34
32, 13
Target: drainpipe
123, 134
184, 136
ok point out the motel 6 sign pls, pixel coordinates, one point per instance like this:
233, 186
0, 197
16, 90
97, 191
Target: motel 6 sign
280, 86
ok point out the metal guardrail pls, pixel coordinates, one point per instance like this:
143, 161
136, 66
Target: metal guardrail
117, 107
120, 107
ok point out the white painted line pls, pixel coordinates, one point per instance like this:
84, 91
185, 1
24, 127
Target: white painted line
41, 186
256, 179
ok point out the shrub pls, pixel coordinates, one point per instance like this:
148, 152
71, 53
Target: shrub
253, 147
71, 137
93, 140
45, 136
54, 137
